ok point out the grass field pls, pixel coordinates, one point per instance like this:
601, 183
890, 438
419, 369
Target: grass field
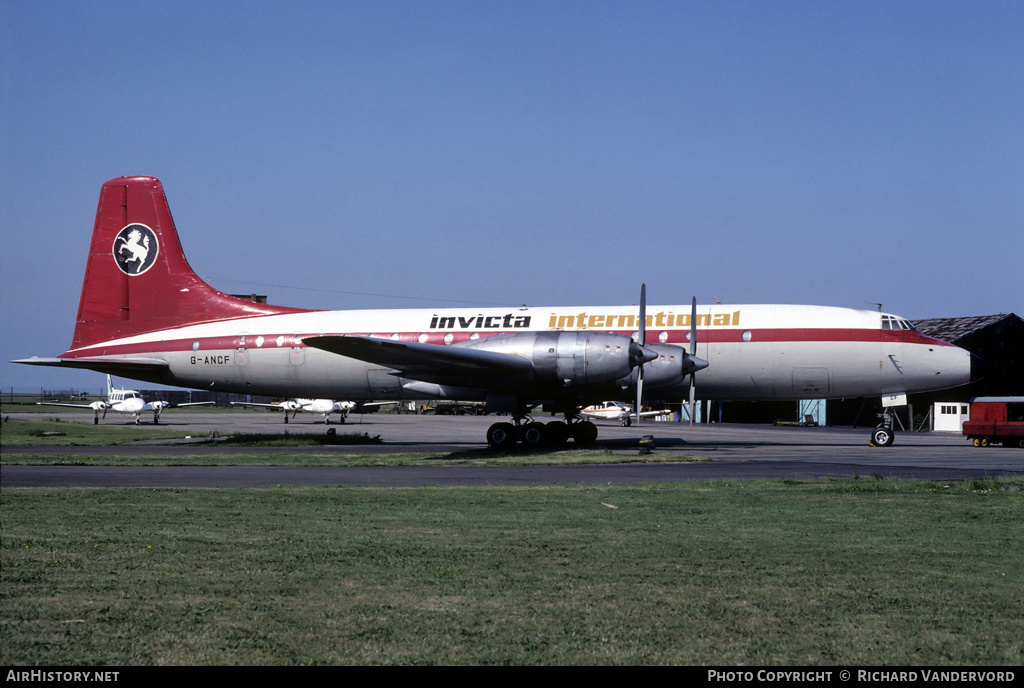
853, 572
51, 432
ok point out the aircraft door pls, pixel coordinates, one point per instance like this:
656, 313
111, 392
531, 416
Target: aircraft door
297, 355
811, 382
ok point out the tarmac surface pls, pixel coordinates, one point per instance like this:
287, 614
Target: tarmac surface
732, 452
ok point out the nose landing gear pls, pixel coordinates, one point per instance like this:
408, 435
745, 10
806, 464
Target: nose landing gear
883, 434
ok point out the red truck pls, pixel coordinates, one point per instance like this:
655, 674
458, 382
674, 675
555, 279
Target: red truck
996, 420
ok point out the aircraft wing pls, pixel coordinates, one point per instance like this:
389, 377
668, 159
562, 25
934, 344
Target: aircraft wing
428, 362
663, 412
57, 403
196, 403
277, 406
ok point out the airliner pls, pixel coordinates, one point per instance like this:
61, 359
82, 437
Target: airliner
144, 314
125, 401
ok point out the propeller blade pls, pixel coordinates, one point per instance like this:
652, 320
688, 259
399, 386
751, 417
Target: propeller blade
642, 337
639, 397
643, 314
693, 394
693, 328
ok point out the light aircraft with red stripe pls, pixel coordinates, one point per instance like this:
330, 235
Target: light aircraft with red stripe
144, 314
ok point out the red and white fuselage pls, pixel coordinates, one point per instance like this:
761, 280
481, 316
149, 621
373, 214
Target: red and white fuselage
755, 352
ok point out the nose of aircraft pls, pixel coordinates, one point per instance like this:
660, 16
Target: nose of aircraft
957, 366
133, 405
978, 368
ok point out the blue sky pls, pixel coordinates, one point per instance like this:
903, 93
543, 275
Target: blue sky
410, 154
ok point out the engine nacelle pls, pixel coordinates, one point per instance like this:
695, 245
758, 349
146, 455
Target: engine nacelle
564, 359
667, 371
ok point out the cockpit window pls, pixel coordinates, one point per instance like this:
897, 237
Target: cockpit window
890, 322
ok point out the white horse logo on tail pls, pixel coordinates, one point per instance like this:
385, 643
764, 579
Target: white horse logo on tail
135, 244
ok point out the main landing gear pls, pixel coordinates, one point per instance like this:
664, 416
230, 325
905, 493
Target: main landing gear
535, 435
883, 434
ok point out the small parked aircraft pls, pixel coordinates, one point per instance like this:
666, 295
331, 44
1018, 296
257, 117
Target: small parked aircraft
125, 401
617, 411
325, 407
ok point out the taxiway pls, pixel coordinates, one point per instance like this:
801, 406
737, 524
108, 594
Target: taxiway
729, 452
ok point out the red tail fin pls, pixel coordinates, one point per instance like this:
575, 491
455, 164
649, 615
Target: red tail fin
137, 279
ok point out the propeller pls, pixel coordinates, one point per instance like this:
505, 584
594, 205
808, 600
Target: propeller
643, 355
642, 337
692, 362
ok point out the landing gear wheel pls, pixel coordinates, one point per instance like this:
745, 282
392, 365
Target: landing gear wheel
534, 435
585, 433
558, 433
502, 435
882, 437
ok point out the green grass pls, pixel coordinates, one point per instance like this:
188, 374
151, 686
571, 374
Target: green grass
852, 572
50, 432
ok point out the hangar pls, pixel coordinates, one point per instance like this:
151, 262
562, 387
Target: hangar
996, 339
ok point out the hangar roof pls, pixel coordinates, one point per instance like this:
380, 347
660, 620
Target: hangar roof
952, 329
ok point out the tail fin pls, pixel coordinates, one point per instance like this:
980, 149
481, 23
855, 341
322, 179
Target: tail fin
137, 279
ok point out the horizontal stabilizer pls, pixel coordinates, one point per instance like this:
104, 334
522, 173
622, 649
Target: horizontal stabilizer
111, 366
